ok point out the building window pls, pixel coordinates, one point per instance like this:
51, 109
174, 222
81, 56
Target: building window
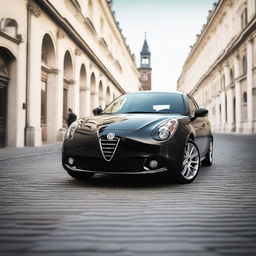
245, 97
231, 76
244, 18
226, 108
223, 81
244, 62
220, 117
10, 26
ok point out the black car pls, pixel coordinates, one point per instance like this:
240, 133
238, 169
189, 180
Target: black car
141, 133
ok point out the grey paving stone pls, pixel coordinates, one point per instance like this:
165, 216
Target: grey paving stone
45, 212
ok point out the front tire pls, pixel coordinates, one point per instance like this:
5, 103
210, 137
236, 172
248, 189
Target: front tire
190, 165
208, 160
80, 175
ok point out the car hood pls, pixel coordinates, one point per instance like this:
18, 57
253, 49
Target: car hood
131, 122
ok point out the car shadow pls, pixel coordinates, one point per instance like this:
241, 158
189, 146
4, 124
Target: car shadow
125, 181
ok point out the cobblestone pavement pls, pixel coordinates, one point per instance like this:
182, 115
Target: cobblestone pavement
43, 211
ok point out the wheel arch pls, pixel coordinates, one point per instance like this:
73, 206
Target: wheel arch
191, 136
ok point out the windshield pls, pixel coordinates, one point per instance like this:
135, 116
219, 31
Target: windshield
147, 103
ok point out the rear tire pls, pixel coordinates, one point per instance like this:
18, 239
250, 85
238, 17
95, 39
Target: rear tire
80, 175
190, 165
208, 160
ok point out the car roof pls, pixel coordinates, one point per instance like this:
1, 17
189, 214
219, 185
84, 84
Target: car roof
156, 92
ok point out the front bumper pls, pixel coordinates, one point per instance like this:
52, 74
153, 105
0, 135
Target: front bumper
73, 168
132, 155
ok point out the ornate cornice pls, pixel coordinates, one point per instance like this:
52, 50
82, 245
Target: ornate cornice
60, 34
78, 52
33, 8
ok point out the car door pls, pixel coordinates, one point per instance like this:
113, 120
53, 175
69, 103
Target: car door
201, 128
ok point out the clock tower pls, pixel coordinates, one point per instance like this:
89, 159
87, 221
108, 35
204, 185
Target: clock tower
145, 67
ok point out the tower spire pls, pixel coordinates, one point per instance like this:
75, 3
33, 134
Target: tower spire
145, 65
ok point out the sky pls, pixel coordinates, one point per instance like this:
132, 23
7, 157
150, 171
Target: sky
171, 27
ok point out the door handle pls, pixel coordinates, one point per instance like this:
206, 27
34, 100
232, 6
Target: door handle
203, 125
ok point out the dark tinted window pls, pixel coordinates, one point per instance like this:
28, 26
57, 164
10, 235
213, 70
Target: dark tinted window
148, 103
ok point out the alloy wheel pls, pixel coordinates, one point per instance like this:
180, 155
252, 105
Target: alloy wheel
191, 161
211, 151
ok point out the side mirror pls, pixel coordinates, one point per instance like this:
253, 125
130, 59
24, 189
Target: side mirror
200, 112
97, 111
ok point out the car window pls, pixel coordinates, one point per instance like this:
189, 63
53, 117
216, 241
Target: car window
147, 103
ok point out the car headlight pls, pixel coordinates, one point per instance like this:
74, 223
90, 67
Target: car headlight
165, 130
72, 129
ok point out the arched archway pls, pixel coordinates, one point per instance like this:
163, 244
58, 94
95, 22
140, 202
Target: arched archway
7, 97
108, 96
244, 97
226, 108
231, 73
244, 65
82, 97
67, 85
234, 114
101, 99
48, 89
48, 52
93, 90
220, 116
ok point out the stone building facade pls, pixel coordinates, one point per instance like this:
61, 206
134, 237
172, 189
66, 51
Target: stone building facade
56, 55
220, 71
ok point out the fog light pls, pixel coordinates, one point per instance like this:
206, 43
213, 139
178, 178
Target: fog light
153, 164
71, 160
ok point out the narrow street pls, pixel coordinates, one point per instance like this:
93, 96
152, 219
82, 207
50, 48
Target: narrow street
46, 212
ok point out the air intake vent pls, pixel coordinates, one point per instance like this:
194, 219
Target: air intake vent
108, 147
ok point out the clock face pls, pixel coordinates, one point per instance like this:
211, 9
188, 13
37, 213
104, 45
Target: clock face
145, 61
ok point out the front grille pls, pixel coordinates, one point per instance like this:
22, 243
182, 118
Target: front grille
117, 165
108, 147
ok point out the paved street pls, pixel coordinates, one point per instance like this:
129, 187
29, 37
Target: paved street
46, 212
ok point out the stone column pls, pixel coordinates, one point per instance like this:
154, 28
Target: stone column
218, 103
226, 120
94, 100
72, 85
33, 129
230, 110
249, 87
101, 102
238, 95
76, 93
223, 112
59, 84
84, 101
52, 107
87, 97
